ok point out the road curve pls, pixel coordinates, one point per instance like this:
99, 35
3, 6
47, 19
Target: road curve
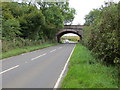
37, 69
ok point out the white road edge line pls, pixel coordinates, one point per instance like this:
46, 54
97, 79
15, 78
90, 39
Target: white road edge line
53, 50
60, 77
38, 56
9, 69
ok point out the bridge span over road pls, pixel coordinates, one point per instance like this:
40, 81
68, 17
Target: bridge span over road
76, 29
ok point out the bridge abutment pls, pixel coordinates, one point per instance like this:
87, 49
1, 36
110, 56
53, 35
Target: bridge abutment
75, 29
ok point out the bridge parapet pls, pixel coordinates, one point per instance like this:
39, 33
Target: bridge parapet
76, 29
80, 27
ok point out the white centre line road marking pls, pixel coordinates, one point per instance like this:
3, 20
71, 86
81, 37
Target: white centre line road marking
53, 50
60, 47
38, 56
9, 69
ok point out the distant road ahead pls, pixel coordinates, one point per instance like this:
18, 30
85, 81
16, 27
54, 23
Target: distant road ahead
37, 69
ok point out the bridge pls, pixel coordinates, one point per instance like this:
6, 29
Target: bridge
76, 29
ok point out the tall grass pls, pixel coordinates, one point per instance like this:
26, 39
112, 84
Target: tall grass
26, 49
85, 72
19, 46
8, 45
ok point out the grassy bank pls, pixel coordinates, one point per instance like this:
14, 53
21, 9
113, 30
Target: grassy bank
26, 49
85, 72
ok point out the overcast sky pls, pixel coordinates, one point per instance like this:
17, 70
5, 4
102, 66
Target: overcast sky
83, 7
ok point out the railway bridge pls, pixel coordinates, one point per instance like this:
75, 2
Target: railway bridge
76, 29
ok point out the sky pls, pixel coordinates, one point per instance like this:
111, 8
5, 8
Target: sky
83, 7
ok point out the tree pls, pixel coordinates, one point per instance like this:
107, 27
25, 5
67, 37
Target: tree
11, 29
103, 26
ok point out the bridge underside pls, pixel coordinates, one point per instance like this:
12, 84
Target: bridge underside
65, 31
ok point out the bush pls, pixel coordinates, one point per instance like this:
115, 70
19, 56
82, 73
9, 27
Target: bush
102, 33
8, 45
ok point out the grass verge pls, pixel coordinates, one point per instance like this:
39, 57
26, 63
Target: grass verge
18, 51
85, 72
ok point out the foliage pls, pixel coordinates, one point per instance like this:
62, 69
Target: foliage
56, 15
11, 29
26, 49
26, 22
102, 32
85, 72
70, 38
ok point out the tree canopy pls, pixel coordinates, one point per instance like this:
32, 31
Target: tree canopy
27, 21
102, 32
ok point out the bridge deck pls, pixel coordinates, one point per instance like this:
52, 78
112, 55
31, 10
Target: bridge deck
73, 26
76, 29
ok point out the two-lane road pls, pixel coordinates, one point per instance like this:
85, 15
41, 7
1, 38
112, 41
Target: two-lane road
37, 69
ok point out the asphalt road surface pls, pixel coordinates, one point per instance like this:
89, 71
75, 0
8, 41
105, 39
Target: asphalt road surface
37, 69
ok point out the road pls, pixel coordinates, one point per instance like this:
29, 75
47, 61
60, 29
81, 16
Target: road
37, 69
